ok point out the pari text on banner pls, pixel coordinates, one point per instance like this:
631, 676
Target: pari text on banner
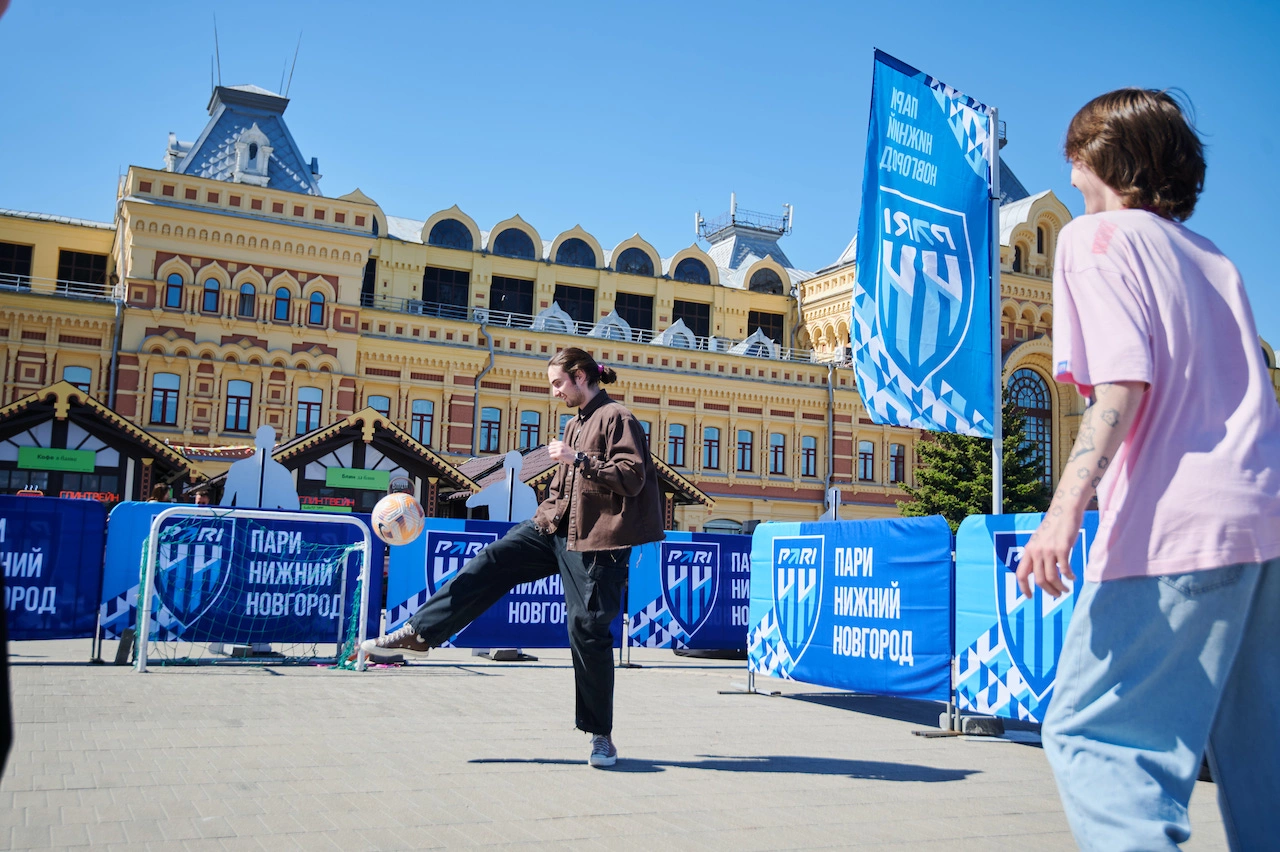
921, 329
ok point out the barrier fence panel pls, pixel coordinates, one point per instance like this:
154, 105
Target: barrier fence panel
51, 550
1008, 645
691, 590
266, 574
858, 605
530, 616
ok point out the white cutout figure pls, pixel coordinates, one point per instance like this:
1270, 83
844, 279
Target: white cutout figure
260, 482
508, 499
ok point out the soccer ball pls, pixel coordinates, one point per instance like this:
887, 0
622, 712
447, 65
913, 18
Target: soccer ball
398, 518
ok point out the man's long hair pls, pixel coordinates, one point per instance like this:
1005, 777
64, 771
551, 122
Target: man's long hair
575, 360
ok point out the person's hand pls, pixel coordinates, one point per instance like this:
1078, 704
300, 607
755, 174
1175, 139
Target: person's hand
1047, 557
561, 452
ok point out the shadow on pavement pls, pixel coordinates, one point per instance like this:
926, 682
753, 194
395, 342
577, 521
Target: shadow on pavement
902, 709
869, 769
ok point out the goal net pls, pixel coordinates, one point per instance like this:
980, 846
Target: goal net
251, 586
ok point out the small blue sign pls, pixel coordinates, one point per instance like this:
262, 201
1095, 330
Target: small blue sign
690, 591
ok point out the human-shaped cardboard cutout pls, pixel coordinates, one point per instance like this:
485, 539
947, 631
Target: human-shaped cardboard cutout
260, 482
508, 499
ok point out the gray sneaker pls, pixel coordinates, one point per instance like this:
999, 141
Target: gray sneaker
603, 752
404, 642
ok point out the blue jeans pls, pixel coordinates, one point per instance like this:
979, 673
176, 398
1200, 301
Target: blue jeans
1155, 671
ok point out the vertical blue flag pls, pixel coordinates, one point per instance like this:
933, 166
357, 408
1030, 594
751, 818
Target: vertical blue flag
922, 299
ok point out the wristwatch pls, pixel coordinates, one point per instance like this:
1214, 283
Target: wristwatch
580, 459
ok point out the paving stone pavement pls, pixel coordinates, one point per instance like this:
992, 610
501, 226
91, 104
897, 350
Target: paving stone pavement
459, 751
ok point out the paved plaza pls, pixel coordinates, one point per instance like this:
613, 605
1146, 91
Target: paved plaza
460, 751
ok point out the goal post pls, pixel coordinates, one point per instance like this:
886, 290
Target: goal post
251, 578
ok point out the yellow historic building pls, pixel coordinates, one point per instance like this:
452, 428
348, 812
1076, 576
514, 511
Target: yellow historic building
230, 293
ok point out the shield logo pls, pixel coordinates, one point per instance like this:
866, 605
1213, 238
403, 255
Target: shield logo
447, 552
797, 589
690, 582
924, 285
1034, 628
191, 574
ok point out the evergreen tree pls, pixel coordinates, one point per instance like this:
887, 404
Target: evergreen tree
954, 476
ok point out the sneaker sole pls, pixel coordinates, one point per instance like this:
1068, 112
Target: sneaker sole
372, 650
599, 762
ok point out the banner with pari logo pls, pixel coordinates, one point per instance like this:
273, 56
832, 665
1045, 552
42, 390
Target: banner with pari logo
691, 590
1007, 644
859, 605
230, 579
532, 615
51, 550
921, 328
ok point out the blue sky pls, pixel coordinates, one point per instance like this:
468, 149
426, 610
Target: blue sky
628, 118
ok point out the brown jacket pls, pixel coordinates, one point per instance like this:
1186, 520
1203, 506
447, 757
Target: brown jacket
612, 499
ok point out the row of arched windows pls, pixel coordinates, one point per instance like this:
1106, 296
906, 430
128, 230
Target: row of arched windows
246, 302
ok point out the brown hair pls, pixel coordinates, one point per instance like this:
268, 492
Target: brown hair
574, 359
1142, 144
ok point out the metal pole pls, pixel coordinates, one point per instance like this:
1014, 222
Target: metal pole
997, 372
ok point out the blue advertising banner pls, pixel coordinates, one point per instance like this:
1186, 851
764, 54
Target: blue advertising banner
230, 579
1008, 645
858, 605
531, 615
691, 590
922, 299
51, 550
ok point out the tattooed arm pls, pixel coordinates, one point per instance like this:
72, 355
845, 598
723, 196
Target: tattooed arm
1102, 429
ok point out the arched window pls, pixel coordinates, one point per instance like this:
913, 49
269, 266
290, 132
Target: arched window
866, 461
78, 376
309, 402
209, 297
711, 448
315, 310
693, 271
777, 453
173, 291
421, 421
164, 399
1017, 259
808, 456
530, 429
239, 402
634, 261
575, 252
746, 449
248, 298
1040, 240
380, 404
513, 242
1029, 393
675, 445
765, 281
450, 233
282, 304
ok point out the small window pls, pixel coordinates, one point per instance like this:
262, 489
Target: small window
1040, 240
446, 293
173, 291
1017, 259
696, 316
380, 404
513, 242
78, 376
282, 305
675, 444
866, 461
766, 281
564, 421
777, 453
82, 268
578, 302
315, 310
635, 310
769, 323
808, 456
209, 296
530, 429
711, 448
645, 426
15, 265
309, 402
746, 449
490, 429
248, 300
897, 463
450, 233
576, 252
164, 399
513, 295
239, 403
421, 420
692, 271
634, 261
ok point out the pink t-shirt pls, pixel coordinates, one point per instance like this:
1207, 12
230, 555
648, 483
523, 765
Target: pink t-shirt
1196, 483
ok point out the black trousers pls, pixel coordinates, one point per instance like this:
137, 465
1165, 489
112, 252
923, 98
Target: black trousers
593, 583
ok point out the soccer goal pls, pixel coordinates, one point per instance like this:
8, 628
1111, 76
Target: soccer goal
248, 585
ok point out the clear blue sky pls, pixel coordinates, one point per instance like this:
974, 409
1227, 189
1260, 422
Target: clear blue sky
628, 118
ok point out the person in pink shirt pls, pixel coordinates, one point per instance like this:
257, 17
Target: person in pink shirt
1170, 649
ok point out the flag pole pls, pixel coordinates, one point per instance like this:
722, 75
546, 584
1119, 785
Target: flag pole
997, 426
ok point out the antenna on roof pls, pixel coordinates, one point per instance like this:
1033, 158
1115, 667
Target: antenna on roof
216, 52
295, 64
283, 68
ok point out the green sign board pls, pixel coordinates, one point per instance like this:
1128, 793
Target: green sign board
339, 509
345, 477
45, 458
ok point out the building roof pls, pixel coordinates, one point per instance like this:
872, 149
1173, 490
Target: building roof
1017, 213
62, 220
234, 110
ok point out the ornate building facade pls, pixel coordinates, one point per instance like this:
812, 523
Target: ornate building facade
229, 293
